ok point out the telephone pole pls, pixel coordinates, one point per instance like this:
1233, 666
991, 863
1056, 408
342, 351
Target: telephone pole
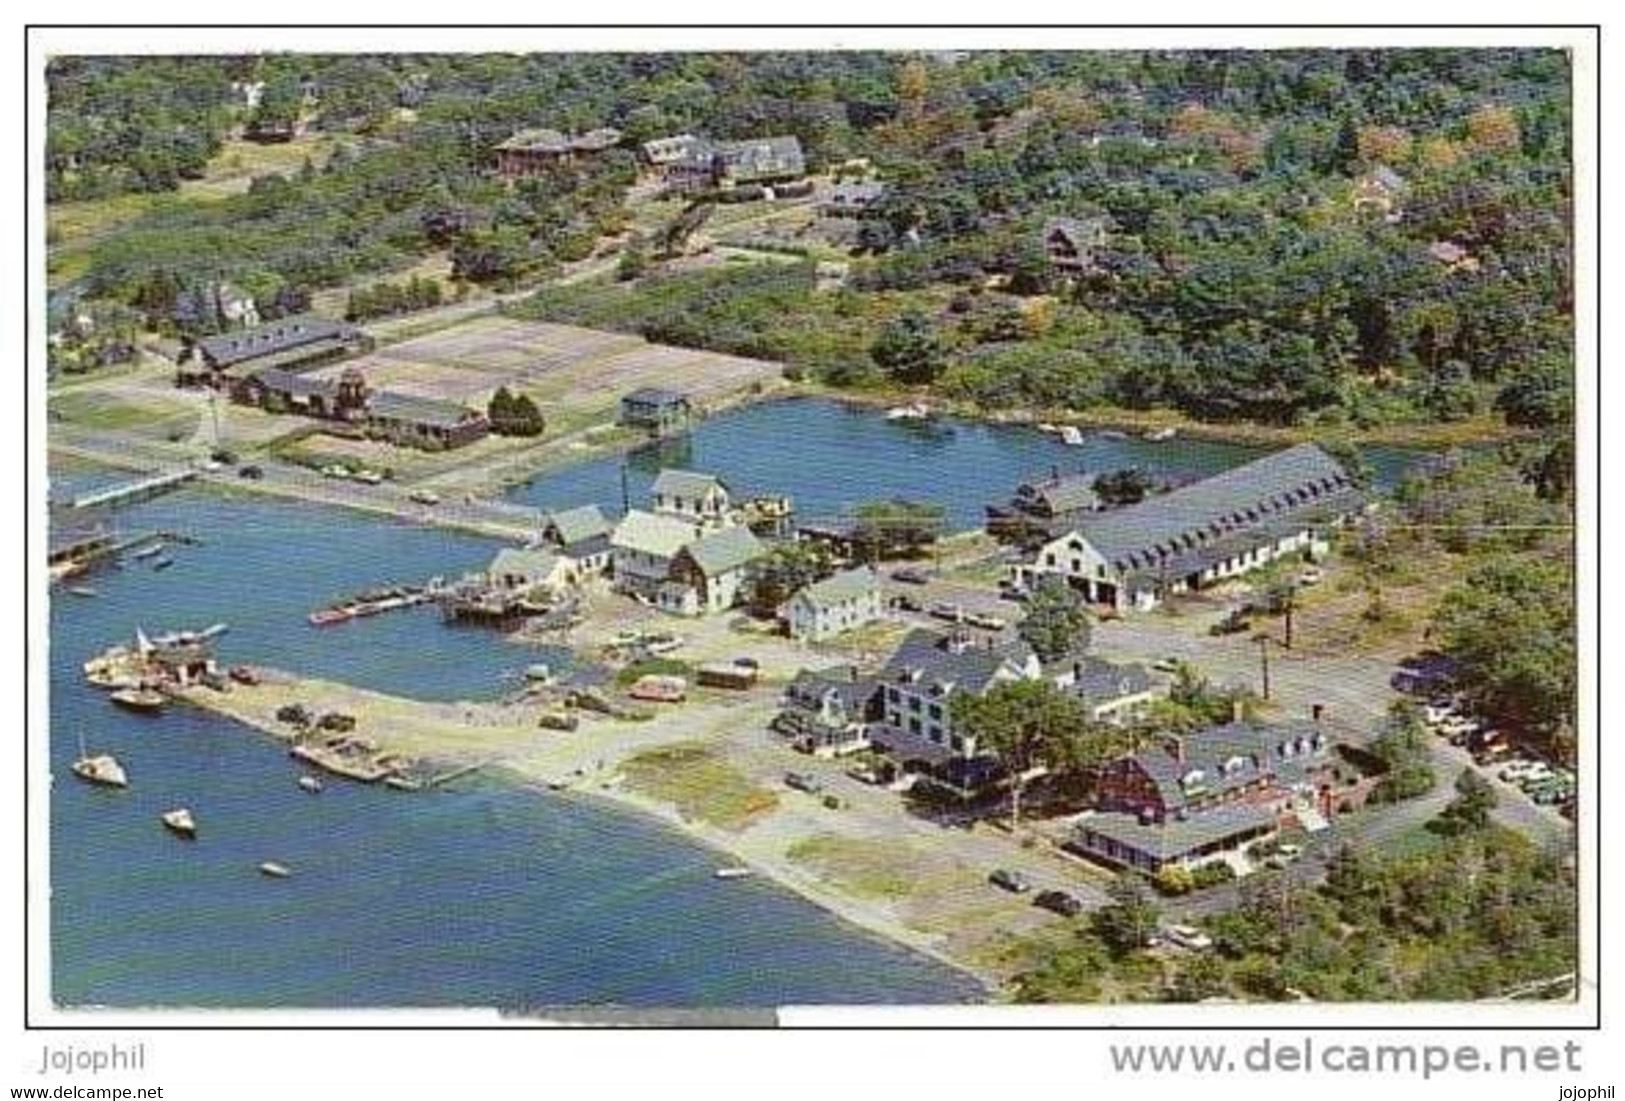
1263, 641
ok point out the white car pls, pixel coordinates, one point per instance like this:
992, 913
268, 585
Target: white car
1436, 713
1188, 936
1517, 770
1311, 576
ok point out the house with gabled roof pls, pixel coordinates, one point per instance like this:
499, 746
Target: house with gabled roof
580, 534
919, 681
1221, 527
835, 605
1205, 794
691, 495
1072, 243
714, 570
681, 566
1044, 508
828, 712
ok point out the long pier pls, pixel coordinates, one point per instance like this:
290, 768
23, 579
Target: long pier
136, 490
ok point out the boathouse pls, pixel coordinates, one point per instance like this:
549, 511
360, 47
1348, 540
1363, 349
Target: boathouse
660, 412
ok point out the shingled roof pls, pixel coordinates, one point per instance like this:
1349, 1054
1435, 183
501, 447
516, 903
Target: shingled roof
840, 588
279, 336
928, 656
725, 550
686, 483
1143, 535
1176, 837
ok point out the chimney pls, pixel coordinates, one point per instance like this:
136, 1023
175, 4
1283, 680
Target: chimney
1317, 711
1176, 747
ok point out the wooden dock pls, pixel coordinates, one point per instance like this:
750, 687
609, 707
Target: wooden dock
137, 490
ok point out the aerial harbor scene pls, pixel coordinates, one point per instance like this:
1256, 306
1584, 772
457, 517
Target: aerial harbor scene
704, 531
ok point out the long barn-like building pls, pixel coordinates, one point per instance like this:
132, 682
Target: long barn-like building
1131, 558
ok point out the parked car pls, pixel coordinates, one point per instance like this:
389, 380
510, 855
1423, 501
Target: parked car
1232, 624
1169, 664
801, 781
251, 472
1437, 711
904, 602
1311, 576
1516, 770
425, 497
908, 575
953, 613
1011, 880
1188, 936
1059, 902
1283, 855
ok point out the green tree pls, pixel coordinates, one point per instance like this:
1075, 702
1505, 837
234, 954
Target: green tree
1128, 486
1025, 723
909, 349
1129, 919
1470, 810
1056, 623
897, 526
788, 568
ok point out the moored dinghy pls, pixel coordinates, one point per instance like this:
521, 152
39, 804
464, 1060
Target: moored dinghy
273, 870
180, 822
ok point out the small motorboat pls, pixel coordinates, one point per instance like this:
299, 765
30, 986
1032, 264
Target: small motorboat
1072, 436
1046, 426
273, 870
310, 784
917, 411
81, 590
540, 673
102, 769
162, 564
734, 872
1113, 434
148, 551
1161, 434
147, 701
180, 822
326, 617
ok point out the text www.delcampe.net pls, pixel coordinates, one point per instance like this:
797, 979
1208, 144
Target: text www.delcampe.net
1309, 1055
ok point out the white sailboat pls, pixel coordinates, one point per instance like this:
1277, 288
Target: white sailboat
100, 768
180, 822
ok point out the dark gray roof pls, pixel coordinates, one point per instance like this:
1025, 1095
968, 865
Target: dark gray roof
1141, 536
655, 395
294, 384
1098, 681
588, 547
1177, 837
857, 193
279, 336
1060, 494
1222, 758
761, 158
926, 657
810, 687
389, 405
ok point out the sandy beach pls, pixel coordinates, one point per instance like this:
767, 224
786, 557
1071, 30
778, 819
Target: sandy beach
710, 769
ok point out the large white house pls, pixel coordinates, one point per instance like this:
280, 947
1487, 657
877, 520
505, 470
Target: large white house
687, 495
680, 566
834, 605
1217, 528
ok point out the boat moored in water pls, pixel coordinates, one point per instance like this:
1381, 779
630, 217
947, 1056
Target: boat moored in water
734, 872
310, 784
273, 870
146, 701
1072, 436
102, 769
180, 822
81, 590
1159, 435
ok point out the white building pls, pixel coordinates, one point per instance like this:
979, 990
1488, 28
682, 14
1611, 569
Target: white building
834, 605
687, 495
1221, 527
581, 535
681, 567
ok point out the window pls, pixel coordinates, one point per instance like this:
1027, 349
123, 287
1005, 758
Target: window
936, 712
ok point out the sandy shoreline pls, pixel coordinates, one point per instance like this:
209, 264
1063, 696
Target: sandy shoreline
587, 762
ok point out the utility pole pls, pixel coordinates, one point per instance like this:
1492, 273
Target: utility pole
214, 411
1289, 606
1263, 641
626, 494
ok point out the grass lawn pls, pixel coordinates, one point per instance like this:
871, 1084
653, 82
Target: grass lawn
146, 416
870, 868
702, 786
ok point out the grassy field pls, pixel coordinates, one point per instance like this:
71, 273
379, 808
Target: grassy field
145, 416
862, 867
700, 784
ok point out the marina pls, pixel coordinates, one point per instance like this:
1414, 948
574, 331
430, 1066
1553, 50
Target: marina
410, 652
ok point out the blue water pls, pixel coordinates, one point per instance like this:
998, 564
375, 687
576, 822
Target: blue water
488, 895
832, 457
